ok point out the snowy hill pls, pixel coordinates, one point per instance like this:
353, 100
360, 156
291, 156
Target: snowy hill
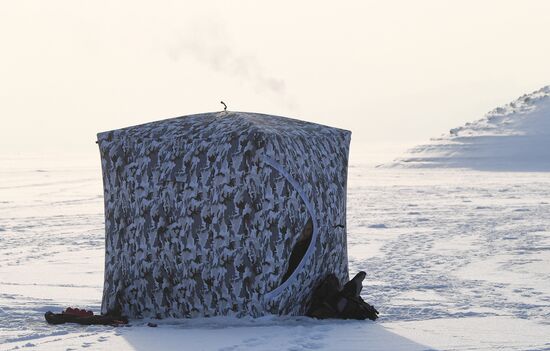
515, 137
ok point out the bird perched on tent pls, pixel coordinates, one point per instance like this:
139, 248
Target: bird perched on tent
224, 105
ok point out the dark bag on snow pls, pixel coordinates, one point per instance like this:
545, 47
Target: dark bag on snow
329, 300
75, 315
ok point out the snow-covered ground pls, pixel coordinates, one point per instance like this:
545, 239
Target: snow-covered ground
456, 260
514, 137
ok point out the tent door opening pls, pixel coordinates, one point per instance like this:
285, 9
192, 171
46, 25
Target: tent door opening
299, 249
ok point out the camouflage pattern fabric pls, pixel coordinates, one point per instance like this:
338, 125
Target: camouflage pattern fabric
202, 213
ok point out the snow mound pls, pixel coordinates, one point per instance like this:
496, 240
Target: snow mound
514, 137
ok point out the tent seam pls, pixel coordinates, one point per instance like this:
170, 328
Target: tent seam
268, 297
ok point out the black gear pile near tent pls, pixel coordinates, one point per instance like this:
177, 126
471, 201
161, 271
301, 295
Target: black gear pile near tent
225, 213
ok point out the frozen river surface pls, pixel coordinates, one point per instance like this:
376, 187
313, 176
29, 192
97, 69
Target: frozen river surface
456, 260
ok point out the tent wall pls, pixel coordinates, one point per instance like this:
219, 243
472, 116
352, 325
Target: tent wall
202, 223
319, 167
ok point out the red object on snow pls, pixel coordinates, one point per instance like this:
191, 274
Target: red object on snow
77, 312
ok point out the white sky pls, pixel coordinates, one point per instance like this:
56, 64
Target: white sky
394, 72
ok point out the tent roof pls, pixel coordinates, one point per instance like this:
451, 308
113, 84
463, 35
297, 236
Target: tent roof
216, 125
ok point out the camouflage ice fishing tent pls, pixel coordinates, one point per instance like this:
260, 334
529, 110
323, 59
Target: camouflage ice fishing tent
202, 214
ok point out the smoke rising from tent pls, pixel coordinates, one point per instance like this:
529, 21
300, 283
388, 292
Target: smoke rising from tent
211, 47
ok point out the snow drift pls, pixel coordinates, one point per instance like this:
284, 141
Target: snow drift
514, 137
